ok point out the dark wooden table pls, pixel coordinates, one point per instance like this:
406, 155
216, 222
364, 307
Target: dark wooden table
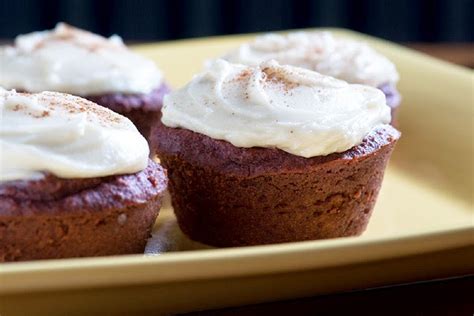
441, 297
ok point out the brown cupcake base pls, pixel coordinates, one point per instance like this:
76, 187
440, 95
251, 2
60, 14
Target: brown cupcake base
228, 196
111, 232
79, 217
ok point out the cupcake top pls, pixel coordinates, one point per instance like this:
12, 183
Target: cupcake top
67, 59
294, 109
66, 136
345, 59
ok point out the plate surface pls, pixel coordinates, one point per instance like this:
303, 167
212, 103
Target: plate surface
422, 227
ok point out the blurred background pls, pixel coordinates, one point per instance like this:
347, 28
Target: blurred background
141, 20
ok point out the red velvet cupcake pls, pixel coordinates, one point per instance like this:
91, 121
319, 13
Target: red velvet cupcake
75, 179
270, 154
74, 61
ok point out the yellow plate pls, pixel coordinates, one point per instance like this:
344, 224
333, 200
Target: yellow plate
422, 226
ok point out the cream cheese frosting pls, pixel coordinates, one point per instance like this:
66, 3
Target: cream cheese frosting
345, 59
277, 106
70, 60
67, 136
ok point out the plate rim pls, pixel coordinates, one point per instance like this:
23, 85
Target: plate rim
227, 262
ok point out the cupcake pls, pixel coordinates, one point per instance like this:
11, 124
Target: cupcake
270, 154
348, 60
70, 60
75, 179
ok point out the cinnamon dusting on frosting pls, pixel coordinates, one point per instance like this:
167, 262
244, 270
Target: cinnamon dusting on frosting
276, 106
71, 60
71, 104
346, 59
87, 40
279, 76
244, 75
67, 136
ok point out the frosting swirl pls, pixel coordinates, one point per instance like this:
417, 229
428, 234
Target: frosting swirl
66, 136
71, 60
294, 109
345, 59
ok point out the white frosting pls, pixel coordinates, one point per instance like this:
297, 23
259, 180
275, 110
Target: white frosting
67, 136
294, 109
70, 60
345, 59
